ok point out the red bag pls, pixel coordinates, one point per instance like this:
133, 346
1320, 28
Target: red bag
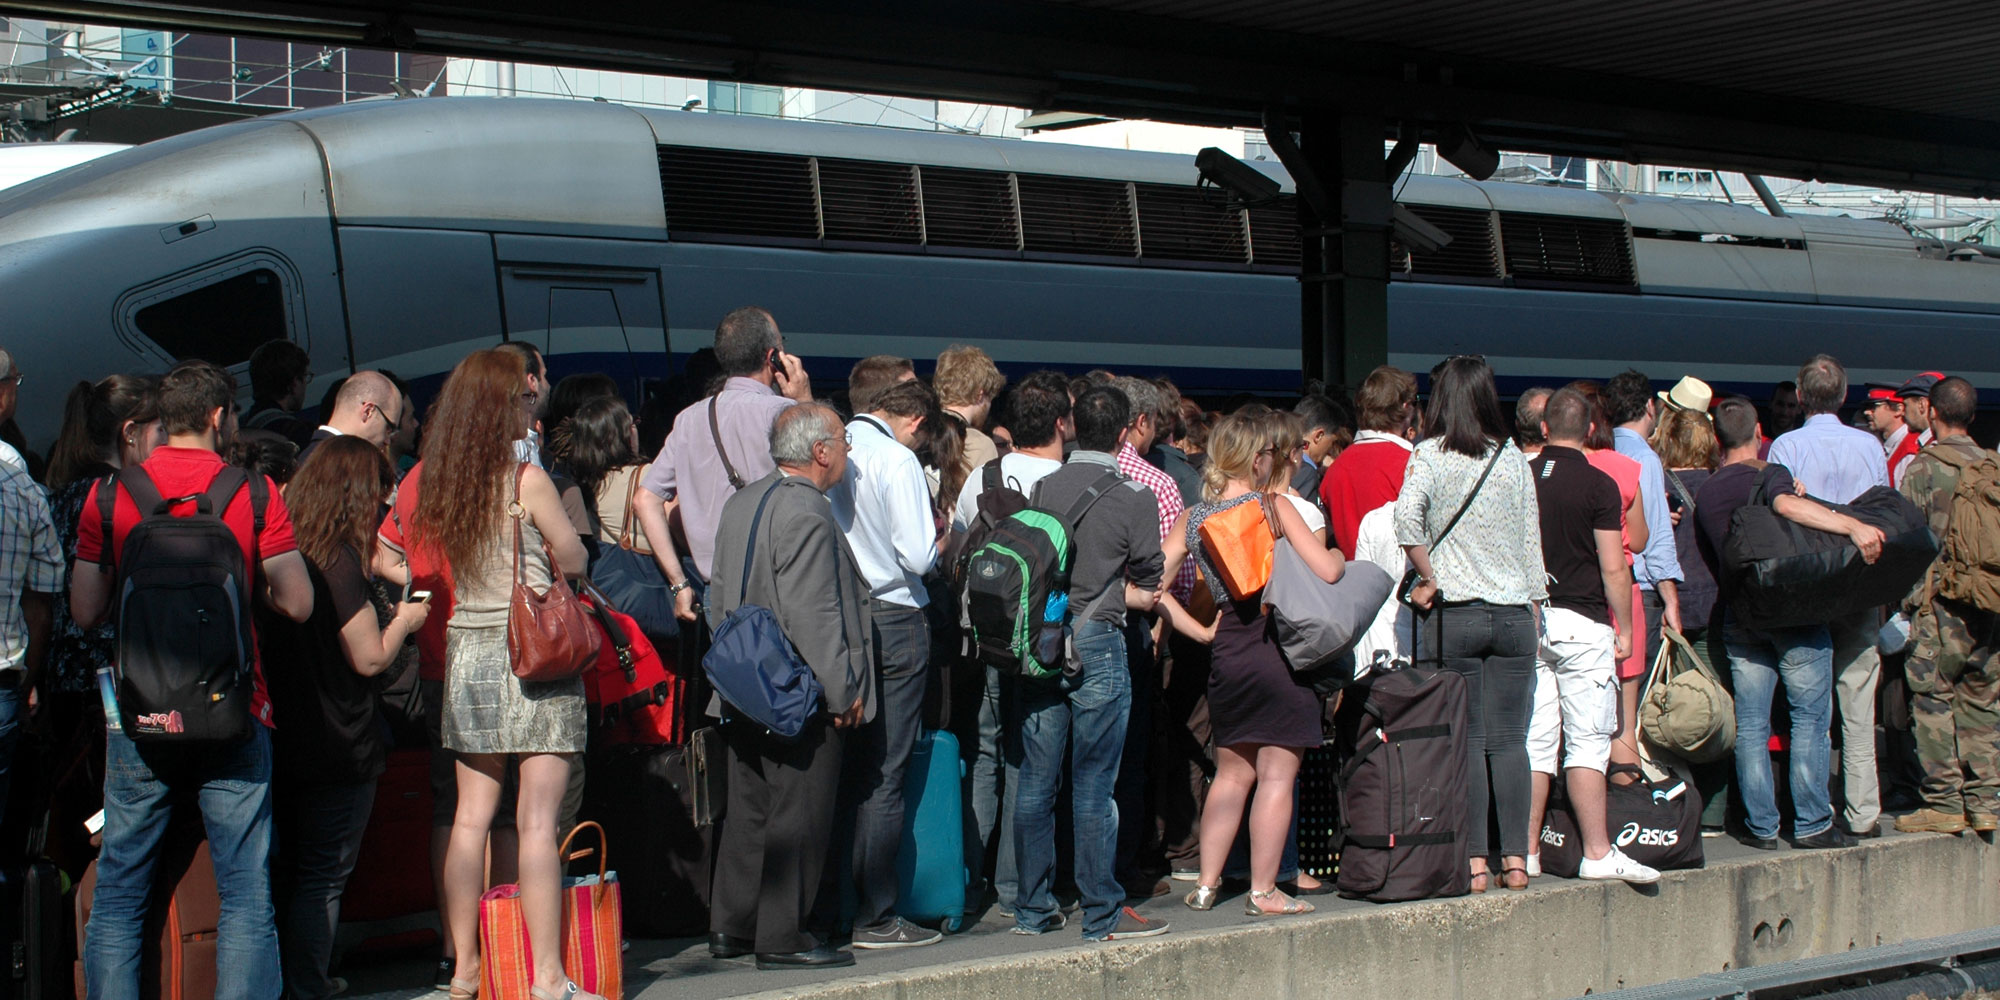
593, 933
632, 692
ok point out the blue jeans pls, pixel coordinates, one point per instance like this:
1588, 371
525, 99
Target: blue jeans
1803, 659
1088, 714
11, 702
233, 783
996, 780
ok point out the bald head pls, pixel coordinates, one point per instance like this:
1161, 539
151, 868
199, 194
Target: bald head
368, 406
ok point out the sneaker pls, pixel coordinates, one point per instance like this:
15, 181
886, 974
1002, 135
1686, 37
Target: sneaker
1185, 875
1056, 923
1983, 822
897, 933
441, 979
1616, 865
1132, 925
1934, 821
1535, 865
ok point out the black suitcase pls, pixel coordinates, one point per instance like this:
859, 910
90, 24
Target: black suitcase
32, 925
1403, 787
642, 796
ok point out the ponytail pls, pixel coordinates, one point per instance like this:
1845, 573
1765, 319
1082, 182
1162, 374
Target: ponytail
94, 414
74, 451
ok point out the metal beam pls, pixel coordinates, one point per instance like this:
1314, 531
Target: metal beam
1344, 209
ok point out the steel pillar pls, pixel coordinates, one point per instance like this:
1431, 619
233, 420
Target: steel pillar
1344, 203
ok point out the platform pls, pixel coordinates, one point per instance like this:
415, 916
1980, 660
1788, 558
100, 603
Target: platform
1559, 938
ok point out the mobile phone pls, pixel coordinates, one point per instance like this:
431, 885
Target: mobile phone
419, 596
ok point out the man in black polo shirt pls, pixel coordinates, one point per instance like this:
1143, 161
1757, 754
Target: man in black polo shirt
1587, 624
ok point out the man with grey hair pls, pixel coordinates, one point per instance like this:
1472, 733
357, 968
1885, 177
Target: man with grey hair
1836, 463
777, 546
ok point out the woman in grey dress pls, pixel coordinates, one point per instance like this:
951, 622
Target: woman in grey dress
472, 496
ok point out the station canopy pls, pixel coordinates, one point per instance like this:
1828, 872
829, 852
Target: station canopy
1894, 93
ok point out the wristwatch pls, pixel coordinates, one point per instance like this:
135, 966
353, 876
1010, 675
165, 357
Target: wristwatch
674, 589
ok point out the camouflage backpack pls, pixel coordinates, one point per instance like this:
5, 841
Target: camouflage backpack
1968, 564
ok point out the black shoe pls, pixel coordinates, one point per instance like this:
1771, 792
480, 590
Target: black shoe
1869, 834
1830, 838
825, 956
724, 946
442, 980
1760, 843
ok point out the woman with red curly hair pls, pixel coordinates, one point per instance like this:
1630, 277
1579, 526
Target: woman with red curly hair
472, 494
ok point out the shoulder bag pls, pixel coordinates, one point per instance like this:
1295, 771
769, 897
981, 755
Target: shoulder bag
1687, 711
550, 636
631, 580
1240, 542
752, 664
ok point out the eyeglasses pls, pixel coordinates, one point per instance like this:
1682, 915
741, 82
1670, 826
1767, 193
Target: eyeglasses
15, 379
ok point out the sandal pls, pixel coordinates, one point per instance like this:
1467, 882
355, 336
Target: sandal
570, 991
1290, 906
463, 989
1480, 879
1507, 878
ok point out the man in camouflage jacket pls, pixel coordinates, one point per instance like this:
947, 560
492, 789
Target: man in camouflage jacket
1954, 658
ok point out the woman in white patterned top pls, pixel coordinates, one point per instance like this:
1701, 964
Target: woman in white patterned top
1478, 586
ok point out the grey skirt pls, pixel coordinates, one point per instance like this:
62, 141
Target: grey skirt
489, 710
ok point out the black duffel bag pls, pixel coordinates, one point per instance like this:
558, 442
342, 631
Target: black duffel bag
1656, 823
1402, 786
1783, 573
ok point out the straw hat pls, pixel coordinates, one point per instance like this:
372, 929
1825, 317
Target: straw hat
1689, 393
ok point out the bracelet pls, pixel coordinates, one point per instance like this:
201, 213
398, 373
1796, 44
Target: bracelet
674, 589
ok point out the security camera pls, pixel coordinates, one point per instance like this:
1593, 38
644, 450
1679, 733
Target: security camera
1416, 234
1463, 150
1244, 182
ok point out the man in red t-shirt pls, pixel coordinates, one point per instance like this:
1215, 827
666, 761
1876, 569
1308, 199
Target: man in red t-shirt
1369, 472
233, 782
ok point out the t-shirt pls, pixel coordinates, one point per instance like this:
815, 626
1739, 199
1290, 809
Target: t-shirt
331, 734
1364, 476
1717, 501
1624, 472
185, 472
1577, 501
1018, 471
1309, 512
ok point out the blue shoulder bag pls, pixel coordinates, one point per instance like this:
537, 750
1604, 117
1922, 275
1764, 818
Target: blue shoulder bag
753, 666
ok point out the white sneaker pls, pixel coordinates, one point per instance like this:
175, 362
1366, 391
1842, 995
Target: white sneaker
1534, 866
1616, 865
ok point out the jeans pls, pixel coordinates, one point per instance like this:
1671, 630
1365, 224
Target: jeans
996, 778
878, 755
1493, 647
233, 786
1088, 714
1857, 668
319, 840
1803, 659
11, 704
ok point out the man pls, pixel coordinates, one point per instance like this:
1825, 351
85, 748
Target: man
529, 448
1915, 395
781, 794
368, 406
1836, 463
1528, 412
1369, 473
1582, 642
10, 401
1165, 454
1038, 415
1954, 659
966, 382
1329, 430
279, 374
871, 375
1635, 411
1117, 561
883, 507
230, 783
1883, 416
718, 445
1785, 413
31, 571
1801, 658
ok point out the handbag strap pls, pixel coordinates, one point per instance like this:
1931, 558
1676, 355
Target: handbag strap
1681, 491
626, 539
1498, 447
519, 514
715, 431
621, 644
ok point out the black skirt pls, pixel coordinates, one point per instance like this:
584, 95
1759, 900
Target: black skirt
1252, 697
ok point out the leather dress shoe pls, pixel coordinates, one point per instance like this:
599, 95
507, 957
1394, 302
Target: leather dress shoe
1760, 843
825, 956
1833, 837
724, 946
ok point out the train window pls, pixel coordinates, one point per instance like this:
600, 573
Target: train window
220, 322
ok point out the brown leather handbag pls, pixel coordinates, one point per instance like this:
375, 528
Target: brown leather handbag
550, 635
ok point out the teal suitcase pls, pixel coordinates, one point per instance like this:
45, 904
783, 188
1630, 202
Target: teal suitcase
930, 867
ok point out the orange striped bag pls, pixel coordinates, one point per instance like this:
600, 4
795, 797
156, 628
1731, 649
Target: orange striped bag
593, 932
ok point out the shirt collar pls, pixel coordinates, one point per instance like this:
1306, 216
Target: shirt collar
738, 383
1562, 452
1366, 436
1822, 419
1098, 457
330, 429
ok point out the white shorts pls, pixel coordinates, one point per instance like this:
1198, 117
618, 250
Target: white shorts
1576, 693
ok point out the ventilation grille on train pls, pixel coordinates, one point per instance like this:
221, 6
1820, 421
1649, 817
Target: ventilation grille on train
868, 202
729, 192
1274, 234
970, 208
1184, 223
1076, 215
1470, 254
1564, 248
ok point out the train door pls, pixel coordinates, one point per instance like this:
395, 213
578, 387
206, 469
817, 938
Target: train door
589, 319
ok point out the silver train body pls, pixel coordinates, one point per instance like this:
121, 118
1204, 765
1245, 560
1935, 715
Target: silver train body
402, 234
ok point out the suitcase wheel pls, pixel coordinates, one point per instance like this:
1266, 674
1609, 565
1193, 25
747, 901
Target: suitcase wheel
952, 925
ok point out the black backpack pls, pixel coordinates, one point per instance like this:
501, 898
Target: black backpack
1403, 788
1017, 610
185, 648
996, 501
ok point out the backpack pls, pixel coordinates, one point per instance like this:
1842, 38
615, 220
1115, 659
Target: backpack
1968, 565
185, 649
1017, 585
996, 502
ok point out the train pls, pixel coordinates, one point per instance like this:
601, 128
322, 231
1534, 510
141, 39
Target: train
402, 234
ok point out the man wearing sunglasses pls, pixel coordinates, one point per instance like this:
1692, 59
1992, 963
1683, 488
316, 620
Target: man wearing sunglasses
368, 406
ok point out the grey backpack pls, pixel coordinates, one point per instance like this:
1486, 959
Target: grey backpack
1317, 623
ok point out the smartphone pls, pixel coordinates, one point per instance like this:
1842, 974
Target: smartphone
418, 596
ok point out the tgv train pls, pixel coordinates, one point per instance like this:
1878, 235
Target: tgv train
402, 234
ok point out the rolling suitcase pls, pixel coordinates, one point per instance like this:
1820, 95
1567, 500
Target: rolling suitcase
31, 926
930, 868
1403, 787
180, 932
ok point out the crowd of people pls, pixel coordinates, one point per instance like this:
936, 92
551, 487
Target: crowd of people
1549, 555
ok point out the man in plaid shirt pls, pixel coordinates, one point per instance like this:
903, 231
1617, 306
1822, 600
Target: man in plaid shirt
31, 572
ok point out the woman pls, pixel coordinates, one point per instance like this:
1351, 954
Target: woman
1600, 450
1262, 720
107, 425
598, 446
1685, 441
472, 497
328, 747
1475, 593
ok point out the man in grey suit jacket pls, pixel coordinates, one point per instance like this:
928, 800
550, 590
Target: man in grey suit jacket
781, 794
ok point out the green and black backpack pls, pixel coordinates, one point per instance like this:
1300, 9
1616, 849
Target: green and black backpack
1017, 585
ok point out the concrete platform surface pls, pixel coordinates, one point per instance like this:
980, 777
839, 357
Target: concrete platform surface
1559, 938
